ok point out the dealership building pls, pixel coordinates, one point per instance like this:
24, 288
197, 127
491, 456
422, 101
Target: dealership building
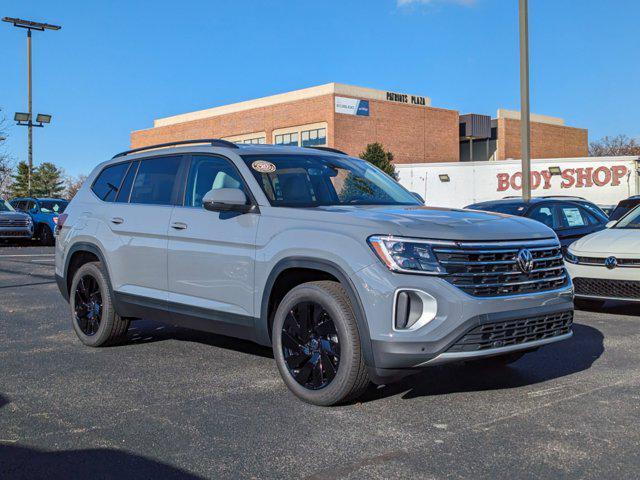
348, 118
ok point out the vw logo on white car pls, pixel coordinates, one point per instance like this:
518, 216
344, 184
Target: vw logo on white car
524, 261
611, 263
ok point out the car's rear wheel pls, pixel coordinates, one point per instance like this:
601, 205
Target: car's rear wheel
45, 235
94, 319
316, 344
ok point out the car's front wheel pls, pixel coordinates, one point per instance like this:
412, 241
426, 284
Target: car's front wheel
95, 320
45, 235
316, 344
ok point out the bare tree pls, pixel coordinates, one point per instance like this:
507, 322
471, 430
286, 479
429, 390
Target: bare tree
73, 185
6, 162
619, 145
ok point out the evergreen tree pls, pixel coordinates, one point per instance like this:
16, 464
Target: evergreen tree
376, 154
48, 180
20, 184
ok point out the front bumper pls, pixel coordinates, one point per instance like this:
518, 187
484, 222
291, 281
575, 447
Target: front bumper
457, 314
16, 232
600, 283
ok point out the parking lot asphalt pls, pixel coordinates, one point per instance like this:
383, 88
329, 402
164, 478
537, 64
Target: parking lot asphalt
174, 403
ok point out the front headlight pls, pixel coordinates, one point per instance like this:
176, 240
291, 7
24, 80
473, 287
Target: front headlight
406, 255
570, 257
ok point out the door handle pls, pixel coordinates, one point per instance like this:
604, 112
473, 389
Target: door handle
179, 225
117, 220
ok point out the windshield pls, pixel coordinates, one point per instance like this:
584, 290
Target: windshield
5, 207
290, 180
53, 206
632, 220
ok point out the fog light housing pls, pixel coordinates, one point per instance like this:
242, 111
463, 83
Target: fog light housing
413, 309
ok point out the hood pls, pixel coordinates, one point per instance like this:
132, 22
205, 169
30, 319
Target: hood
612, 241
446, 224
15, 215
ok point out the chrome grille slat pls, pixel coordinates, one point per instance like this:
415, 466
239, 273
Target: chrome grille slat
483, 271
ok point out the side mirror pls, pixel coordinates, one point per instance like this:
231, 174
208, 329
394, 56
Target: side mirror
418, 196
611, 223
226, 200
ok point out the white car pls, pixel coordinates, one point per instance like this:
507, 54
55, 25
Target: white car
606, 265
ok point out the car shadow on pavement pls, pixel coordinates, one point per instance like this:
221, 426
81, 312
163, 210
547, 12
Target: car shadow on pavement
22, 462
148, 331
548, 363
614, 307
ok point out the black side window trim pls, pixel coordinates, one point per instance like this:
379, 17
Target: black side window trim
181, 203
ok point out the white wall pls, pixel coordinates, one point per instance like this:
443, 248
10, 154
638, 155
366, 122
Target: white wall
604, 180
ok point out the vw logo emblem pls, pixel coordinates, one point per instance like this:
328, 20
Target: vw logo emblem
524, 260
611, 263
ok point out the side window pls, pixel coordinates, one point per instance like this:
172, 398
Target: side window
30, 206
209, 173
20, 206
125, 189
545, 214
573, 217
156, 180
107, 184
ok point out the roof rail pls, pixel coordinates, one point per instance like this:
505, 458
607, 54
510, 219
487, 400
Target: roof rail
214, 142
329, 149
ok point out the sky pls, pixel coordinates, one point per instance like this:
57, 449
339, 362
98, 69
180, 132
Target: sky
116, 65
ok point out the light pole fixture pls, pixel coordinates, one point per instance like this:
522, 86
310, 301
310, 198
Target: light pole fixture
525, 125
24, 119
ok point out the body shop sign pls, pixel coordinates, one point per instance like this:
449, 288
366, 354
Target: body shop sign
569, 178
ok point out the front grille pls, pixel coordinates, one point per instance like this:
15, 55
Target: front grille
514, 332
15, 234
622, 262
15, 222
597, 287
491, 270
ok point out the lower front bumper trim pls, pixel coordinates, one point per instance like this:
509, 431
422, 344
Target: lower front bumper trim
461, 356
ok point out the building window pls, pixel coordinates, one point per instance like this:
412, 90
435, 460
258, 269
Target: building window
287, 139
312, 138
254, 141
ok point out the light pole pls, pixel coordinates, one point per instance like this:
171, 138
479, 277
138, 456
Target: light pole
525, 125
22, 118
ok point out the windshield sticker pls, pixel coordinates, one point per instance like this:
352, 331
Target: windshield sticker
263, 166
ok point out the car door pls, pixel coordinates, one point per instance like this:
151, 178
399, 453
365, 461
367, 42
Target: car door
211, 254
139, 199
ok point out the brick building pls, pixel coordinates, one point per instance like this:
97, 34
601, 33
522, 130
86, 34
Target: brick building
348, 118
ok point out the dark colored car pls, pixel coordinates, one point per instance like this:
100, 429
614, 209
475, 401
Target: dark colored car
570, 217
624, 207
44, 212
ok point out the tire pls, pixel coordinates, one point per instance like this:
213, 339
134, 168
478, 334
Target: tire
45, 235
110, 328
346, 375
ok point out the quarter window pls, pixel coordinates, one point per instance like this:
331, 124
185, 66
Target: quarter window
209, 173
107, 184
155, 181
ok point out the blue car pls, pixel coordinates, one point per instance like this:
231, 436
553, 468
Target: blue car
44, 212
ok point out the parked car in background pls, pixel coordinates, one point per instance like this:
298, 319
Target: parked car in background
44, 213
624, 207
607, 209
322, 256
606, 265
14, 225
570, 217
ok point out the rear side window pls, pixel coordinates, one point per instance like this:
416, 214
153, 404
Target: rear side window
107, 184
156, 180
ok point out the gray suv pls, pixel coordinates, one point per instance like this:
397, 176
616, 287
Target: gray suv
343, 272
14, 225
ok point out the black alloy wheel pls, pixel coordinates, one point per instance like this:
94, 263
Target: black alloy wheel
88, 305
310, 345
